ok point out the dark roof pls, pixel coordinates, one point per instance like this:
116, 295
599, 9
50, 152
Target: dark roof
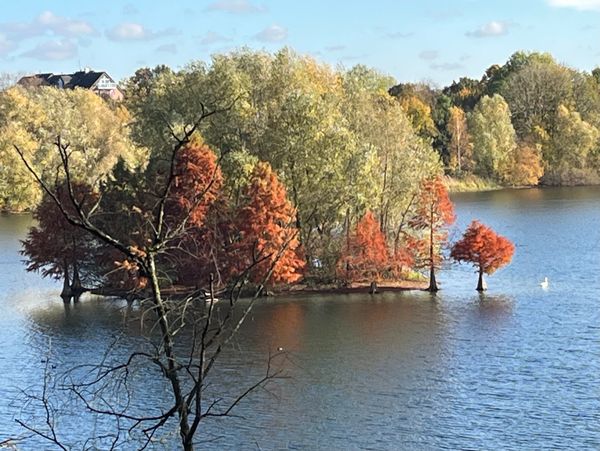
33, 81
81, 79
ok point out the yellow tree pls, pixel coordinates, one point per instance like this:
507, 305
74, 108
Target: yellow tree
460, 141
526, 166
419, 114
95, 131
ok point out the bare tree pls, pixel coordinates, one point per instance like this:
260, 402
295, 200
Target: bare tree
184, 364
8, 79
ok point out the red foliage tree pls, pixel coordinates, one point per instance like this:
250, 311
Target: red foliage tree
366, 255
403, 258
197, 184
434, 213
484, 248
56, 248
197, 188
267, 233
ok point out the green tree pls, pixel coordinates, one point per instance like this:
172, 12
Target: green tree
534, 93
465, 93
496, 76
567, 149
493, 137
402, 157
596, 74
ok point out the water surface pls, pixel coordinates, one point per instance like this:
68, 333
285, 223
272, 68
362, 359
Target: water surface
517, 368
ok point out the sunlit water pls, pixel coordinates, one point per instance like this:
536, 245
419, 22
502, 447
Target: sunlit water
515, 369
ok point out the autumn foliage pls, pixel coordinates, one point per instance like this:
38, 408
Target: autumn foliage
484, 248
267, 237
434, 213
197, 183
365, 256
196, 201
53, 246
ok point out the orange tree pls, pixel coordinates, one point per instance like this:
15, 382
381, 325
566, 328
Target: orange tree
366, 255
434, 212
484, 248
192, 205
267, 238
197, 184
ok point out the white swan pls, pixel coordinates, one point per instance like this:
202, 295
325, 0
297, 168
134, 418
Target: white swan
544, 284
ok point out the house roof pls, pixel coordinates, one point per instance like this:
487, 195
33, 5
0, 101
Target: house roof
84, 79
80, 79
33, 81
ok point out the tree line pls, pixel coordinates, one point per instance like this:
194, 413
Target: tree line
337, 148
530, 121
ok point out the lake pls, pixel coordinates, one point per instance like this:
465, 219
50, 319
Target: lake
517, 368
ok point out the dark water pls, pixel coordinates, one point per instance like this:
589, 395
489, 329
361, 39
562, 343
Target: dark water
516, 369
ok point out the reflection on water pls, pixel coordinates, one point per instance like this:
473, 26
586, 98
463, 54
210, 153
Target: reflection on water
514, 368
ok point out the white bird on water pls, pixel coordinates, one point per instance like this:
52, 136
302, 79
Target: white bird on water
544, 284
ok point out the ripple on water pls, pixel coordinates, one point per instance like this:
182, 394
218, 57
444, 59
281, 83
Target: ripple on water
515, 369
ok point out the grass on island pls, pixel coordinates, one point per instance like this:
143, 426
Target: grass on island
470, 183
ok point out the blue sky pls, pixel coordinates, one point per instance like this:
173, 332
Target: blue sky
412, 40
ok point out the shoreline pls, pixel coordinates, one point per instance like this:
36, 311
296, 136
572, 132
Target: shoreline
297, 290
388, 287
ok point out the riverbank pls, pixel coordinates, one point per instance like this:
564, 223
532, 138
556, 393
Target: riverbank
300, 289
383, 287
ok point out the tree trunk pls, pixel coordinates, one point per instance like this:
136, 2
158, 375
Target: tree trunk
481, 285
433, 287
373, 288
76, 289
171, 370
66, 291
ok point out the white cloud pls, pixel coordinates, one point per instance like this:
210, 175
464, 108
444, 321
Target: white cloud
581, 5
429, 55
274, 33
47, 22
127, 31
335, 48
490, 29
64, 26
54, 50
235, 7
212, 38
131, 31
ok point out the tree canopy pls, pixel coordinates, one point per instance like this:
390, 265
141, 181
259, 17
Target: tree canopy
484, 248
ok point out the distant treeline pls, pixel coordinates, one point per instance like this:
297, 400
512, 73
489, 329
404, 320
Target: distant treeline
529, 121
